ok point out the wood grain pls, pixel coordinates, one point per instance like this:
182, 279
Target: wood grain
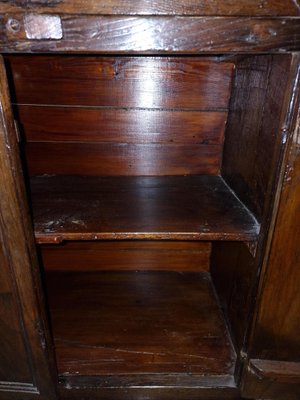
144, 82
255, 140
115, 159
208, 389
157, 7
64, 124
127, 255
25, 348
278, 380
275, 334
179, 208
175, 325
254, 133
159, 34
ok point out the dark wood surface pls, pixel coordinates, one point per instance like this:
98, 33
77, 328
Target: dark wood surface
127, 255
123, 115
25, 352
271, 379
158, 7
156, 34
137, 323
143, 82
275, 332
115, 159
86, 391
283, 371
234, 273
257, 130
180, 208
81, 124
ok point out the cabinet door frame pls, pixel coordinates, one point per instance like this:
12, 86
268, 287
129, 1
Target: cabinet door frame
20, 269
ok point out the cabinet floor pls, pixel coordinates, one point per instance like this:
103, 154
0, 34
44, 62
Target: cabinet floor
132, 323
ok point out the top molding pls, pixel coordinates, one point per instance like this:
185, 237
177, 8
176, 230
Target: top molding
217, 8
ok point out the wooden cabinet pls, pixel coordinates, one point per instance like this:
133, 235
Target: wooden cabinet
149, 203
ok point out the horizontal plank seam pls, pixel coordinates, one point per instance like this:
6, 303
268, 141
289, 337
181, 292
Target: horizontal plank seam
129, 143
222, 110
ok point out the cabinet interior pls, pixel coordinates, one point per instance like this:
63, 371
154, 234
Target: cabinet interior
151, 183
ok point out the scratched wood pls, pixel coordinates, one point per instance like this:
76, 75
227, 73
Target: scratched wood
174, 324
128, 34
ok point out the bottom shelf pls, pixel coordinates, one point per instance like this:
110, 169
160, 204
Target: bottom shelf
148, 328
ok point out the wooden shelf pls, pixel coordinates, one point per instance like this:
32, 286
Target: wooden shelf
138, 324
177, 208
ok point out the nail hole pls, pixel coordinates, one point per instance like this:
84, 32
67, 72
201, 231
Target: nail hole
13, 25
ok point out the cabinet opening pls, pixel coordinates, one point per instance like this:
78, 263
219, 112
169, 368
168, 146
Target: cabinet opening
151, 183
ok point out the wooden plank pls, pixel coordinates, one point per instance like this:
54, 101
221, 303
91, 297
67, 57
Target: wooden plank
25, 347
179, 208
158, 7
278, 380
282, 371
113, 159
143, 82
55, 124
276, 331
136, 255
73, 389
256, 135
175, 325
127, 34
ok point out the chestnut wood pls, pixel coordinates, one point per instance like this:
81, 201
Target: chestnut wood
272, 379
65, 124
115, 159
127, 255
143, 82
283, 371
157, 34
146, 117
275, 332
162, 7
25, 352
137, 323
13, 346
251, 161
234, 273
85, 389
179, 208
255, 130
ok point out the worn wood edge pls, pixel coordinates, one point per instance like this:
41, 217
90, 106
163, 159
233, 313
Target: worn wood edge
151, 381
281, 371
182, 34
134, 393
16, 224
18, 387
166, 7
290, 116
53, 238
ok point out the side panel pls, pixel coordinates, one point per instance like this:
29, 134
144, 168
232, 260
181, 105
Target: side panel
253, 150
24, 353
273, 369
